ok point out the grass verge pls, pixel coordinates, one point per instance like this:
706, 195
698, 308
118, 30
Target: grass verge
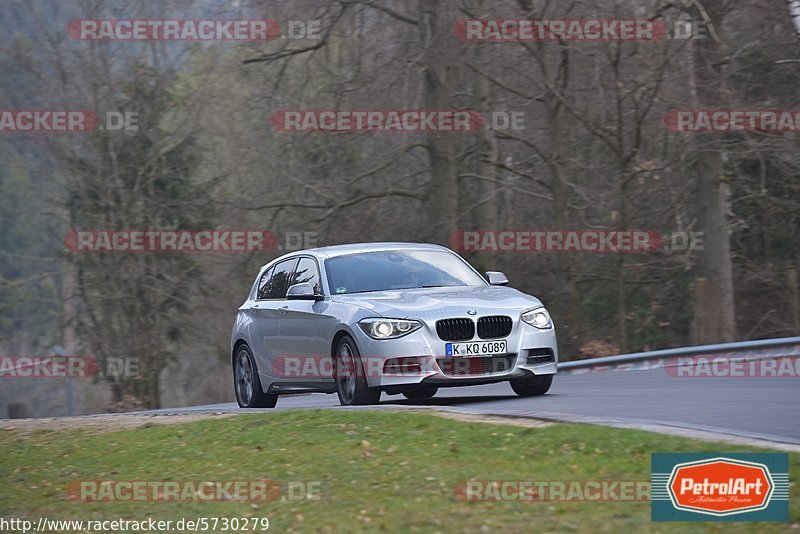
377, 471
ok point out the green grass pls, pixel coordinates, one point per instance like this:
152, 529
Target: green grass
379, 471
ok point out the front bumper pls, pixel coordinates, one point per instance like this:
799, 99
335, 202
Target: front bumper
527, 347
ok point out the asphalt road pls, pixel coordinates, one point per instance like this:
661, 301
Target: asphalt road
743, 410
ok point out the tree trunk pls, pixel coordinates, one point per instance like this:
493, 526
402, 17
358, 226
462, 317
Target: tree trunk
567, 291
794, 12
714, 262
487, 201
437, 60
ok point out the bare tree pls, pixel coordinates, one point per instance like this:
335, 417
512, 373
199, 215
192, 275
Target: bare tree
715, 265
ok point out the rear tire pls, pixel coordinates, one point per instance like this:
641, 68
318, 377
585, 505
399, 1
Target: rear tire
533, 386
349, 376
246, 382
420, 392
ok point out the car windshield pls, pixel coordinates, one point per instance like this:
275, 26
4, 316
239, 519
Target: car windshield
398, 269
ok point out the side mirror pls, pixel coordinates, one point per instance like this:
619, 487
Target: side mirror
496, 278
304, 291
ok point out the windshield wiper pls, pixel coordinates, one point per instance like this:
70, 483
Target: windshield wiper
427, 286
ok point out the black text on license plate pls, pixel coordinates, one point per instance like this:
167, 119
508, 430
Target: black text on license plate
478, 348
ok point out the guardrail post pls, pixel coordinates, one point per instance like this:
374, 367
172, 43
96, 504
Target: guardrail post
699, 319
18, 411
794, 299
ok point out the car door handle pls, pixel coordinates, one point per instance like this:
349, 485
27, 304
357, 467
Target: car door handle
284, 310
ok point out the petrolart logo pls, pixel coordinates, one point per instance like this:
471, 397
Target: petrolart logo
723, 487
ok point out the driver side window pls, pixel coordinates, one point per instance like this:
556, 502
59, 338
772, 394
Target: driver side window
307, 272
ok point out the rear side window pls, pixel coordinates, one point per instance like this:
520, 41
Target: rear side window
307, 271
278, 283
261, 292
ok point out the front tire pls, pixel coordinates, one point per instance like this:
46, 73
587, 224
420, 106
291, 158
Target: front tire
351, 381
533, 386
246, 382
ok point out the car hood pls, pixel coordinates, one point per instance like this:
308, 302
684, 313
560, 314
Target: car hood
441, 301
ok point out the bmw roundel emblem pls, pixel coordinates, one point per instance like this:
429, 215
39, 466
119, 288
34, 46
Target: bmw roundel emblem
472, 312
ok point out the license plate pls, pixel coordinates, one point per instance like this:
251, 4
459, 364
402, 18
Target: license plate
478, 348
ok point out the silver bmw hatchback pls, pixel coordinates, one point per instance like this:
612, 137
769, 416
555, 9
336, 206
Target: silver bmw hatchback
400, 318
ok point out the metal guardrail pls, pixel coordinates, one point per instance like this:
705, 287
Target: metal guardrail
738, 350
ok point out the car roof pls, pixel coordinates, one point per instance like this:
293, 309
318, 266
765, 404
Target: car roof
332, 251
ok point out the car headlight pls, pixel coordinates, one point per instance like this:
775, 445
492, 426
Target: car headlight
538, 318
388, 328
